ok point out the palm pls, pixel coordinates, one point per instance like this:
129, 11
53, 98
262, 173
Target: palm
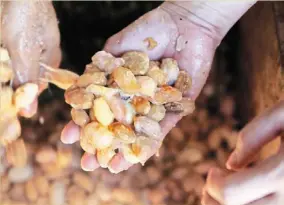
176, 37
194, 52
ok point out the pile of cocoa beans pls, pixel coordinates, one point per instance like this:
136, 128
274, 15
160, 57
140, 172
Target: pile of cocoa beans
48, 172
38, 169
119, 102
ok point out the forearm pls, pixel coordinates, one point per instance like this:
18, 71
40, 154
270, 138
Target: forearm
217, 17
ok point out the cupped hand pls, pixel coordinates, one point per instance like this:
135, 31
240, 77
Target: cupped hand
260, 185
177, 37
31, 35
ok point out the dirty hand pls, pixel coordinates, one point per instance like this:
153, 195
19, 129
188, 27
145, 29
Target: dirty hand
260, 185
181, 32
29, 31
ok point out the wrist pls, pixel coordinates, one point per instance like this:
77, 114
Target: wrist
216, 18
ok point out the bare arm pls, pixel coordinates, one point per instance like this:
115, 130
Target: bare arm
215, 17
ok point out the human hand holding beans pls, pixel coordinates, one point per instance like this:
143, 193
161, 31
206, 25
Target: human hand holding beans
162, 28
264, 183
178, 34
29, 31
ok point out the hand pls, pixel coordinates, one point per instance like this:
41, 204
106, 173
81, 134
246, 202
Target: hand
31, 35
165, 27
189, 32
260, 185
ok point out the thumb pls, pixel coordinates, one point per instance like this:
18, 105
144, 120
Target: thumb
255, 135
23, 40
53, 58
33, 39
247, 185
26, 70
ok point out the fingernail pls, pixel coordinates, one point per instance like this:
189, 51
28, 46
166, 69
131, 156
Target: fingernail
232, 161
89, 162
215, 183
70, 133
115, 164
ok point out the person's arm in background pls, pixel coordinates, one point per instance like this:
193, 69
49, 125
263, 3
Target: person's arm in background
261, 185
29, 31
188, 31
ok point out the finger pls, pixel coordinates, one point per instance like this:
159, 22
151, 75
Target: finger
89, 162
247, 185
255, 135
21, 41
118, 164
156, 24
215, 184
70, 133
208, 200
268, 200
170, 121
166, 124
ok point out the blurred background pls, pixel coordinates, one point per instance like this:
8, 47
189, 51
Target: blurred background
51, 174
